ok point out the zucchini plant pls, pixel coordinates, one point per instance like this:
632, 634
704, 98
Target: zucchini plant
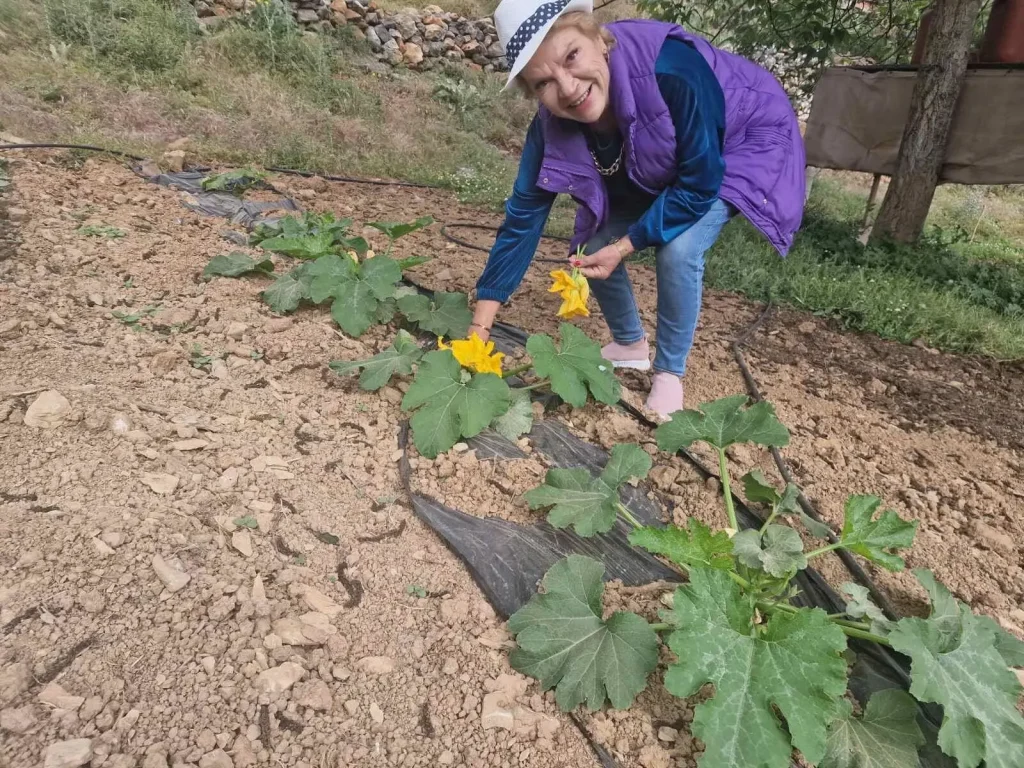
779, 670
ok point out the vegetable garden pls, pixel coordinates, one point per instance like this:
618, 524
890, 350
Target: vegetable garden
779, 670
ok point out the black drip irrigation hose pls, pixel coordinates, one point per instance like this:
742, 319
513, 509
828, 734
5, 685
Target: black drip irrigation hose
851, 564
754, 391
487, 227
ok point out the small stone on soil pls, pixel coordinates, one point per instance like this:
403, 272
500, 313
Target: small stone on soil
68, 754
280, 678
172, 578
47, 411
377, 665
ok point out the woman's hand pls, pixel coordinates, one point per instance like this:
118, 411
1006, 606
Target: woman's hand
479, 330
483, 319
599, 266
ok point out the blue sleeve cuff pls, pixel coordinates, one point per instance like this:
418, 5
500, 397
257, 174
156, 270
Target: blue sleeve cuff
492, 294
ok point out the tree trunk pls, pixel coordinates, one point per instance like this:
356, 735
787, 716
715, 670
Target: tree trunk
902, 214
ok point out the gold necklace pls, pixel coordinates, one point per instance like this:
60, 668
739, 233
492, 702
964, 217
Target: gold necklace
611, 170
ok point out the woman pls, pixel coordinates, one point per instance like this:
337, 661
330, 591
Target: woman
660, 138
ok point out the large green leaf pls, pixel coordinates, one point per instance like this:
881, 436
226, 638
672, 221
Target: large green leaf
722, 423
886, 736
962, 669
692, 546
872, 539
793, 663
285, 294
447, 314
518, 419
236, 264
327, 274
300, 246
448, 408
566, 645
589, 504
779, 551
576, 499
356, 298
575, 367
378, 370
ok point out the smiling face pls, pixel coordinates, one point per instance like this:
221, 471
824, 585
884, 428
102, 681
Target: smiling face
569, 74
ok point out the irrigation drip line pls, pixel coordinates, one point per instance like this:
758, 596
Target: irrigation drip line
754, 391
47, 145
847, 559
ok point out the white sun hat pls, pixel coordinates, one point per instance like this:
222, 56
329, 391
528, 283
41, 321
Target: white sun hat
523, 24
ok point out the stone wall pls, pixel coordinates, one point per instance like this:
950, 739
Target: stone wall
411, 38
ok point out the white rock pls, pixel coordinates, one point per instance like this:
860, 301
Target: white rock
235, 331
155, 760
15, 679
242, 541
290, 632
494, 713
243, 753
195, 444
20, 720
47, 411
376, 713
377, 665
216, 759
209, 664
259, 592
128, 720
58, 698
172, 578
159, 482
68, 754
221, 608
279, 679
314, 694
317, 627
317, 600
113, 539
102, 548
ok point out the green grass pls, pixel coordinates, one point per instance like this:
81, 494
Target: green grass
927, 292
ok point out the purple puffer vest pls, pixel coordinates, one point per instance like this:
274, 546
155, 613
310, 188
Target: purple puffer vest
764, 151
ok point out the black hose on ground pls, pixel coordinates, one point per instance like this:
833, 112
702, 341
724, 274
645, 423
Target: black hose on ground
47, 145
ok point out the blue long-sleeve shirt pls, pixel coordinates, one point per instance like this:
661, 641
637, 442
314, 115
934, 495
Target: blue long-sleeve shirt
697, 105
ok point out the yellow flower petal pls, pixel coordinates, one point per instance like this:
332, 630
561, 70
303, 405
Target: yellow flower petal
475, 355
441, 344
563, 282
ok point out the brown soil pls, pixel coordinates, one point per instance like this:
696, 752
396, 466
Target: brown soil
154, 456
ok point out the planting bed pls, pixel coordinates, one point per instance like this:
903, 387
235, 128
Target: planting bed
161, 445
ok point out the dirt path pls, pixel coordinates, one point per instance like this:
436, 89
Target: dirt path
136, 614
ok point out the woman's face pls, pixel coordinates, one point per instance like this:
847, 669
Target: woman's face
569, 75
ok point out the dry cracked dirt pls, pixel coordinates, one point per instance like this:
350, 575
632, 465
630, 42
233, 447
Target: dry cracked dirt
206, 554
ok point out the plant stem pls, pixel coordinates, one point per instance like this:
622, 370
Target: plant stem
535, 385
517, 370
661, 627
628, 516
723, 469
769, 521
823, 550
862, 626
861, 635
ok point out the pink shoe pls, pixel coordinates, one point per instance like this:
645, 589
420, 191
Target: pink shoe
666, 394
636, 356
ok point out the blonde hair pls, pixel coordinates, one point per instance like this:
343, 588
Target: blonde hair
583, 21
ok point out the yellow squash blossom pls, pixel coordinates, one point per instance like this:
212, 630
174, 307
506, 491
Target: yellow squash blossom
574, 290
474, 354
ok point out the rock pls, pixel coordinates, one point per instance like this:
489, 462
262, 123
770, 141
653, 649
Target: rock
242, 541
235, 331
174, 317
92, 707
242, 753
121, 761
406, 25
740, 454
102, 549
160, 482
451, 667
68, 754
352, 707
877, 387
548, 727
56, 320
807, 327
17, 215
112, 539
317, 627
92, 601
259, 592
376, 713
433, 32
314, 694
413, 54
446, 758
318, 601
667, 734
222, 608
290, 631
376, 665
216, 759
279, 679
278, 324
172, 578
173, 161
47, 411
307, 16
163, 363
494, 714
20, 720
195, 444
15, 679
155, 760
992, 538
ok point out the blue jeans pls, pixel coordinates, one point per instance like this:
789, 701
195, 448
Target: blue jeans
680, 277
